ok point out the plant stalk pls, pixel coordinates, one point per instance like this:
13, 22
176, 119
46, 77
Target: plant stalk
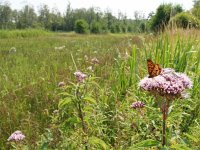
165, 107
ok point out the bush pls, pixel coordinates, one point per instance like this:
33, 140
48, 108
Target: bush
81, 26
185, 20
162, 16
196, 8
96, 28
115, 28
124, 29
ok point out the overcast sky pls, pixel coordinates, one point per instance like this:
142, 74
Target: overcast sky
125, 6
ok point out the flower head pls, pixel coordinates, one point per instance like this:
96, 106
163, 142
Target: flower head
167, 83
12, 50
16, 136
90, 68
61, 84
80, 76
137, 104
94, 60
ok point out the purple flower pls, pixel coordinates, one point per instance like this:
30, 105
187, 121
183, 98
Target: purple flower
16, 136
137, 104
61, 84
80, 76
167, 83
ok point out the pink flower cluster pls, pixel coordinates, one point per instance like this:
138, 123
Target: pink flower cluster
137, 104
80, 76
16, 136
168, 82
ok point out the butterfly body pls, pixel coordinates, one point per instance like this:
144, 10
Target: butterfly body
153, 69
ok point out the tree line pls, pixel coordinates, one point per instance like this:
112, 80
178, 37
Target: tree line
96, 21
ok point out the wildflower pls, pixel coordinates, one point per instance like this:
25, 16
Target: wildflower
86, 57
13, 50
80, 76
16, 136
137, 104
61, 84
90, 68
168, 83
60, 48
55, 111
94, 60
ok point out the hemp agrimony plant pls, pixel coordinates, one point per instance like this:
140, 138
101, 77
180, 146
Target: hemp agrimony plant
166, 87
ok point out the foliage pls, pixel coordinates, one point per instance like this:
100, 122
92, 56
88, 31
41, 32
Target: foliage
44, 18
163, 14
28, 33
196, 8
81, 26
32, 102
185, 20
96, 27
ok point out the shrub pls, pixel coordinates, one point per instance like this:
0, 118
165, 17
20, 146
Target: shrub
124, 28
162, 16
185, 20
96, 27
81, 26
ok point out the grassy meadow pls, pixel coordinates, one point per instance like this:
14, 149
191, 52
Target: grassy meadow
34, 62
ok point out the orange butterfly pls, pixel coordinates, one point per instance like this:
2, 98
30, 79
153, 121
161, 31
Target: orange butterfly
153, 69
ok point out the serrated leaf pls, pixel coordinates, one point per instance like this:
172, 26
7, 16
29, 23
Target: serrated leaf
96, 141
65, 94
192, 137
146, 143
89, 99
64, 102
180, 147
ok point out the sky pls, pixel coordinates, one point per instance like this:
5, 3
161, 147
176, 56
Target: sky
127, 7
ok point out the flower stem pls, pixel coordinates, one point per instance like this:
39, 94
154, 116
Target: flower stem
164, 131
81, 114
165, 107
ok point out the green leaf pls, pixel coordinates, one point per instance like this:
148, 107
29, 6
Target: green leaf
145, 143
89, 99
192, 137
180, 147
65, 94
96, 141
64, 102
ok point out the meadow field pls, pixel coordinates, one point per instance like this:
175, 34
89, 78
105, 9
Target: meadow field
95, 114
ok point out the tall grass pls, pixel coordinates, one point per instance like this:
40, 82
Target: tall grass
26, 33
29, 91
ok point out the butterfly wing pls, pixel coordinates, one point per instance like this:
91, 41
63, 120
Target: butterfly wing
156, 71
153, 69
150, 66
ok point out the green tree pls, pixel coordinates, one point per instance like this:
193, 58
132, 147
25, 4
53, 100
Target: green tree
69, 19
81, 26
185, 20
44, 17
196, 8
5, 15
163, 14
161, 17
57, 20
96, 27
27, 18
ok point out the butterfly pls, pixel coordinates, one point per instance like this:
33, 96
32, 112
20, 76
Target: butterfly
153, 69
